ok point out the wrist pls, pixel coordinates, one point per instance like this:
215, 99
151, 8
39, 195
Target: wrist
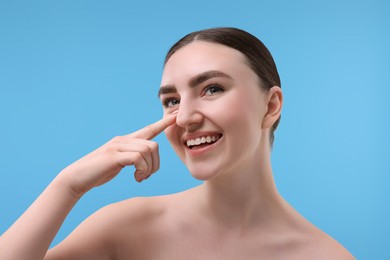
63, 182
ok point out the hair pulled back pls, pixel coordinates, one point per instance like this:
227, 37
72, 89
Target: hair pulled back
257, 55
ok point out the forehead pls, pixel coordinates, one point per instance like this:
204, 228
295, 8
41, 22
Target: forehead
200, 56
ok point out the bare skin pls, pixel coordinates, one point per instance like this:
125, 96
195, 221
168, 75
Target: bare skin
30, 236
237, 213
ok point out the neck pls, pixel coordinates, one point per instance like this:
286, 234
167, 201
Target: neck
243, 196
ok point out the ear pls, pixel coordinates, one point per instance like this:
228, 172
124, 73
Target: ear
274, 101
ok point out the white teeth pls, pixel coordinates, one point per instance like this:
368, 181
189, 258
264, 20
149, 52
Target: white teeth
202, 140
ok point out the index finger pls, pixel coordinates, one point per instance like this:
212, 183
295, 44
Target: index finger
152, 130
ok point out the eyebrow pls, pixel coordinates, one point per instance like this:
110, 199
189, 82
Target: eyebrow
167, 89
194, 81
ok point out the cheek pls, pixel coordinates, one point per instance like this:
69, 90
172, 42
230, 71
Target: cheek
237, 109
240, 116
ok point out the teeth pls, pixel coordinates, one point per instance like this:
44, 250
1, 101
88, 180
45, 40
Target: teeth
202, 140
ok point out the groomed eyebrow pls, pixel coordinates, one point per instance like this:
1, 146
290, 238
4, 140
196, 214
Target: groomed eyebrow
167, 89
199, 79
194, 81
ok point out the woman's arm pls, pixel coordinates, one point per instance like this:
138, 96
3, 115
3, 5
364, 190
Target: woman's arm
31, 235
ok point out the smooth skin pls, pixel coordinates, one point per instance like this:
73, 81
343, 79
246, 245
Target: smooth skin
30, 236
237, 213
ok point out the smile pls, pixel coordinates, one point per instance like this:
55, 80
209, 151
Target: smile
202, 141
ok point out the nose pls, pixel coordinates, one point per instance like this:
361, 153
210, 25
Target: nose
188, 115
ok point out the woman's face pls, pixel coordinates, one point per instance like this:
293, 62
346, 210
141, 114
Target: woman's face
220, 107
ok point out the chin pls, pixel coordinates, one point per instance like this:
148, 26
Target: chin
201, 177
202, 173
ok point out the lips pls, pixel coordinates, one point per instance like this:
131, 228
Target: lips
202, 140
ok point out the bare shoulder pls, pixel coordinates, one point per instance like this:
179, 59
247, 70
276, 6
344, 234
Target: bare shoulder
135, 210
138, 224
136, 214
323, 246
115, 231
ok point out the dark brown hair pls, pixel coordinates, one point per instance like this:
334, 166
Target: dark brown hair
258, 57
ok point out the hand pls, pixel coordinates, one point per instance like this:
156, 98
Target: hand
106, 162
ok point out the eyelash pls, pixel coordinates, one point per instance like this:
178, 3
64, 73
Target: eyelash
214, 87
166, 102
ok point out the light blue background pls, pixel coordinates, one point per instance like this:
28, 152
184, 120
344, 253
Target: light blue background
74, 74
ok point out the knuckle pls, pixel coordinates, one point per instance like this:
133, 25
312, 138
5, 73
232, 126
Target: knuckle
110, 149
138, 158
117, 139
154, 146
151, 148
144, 149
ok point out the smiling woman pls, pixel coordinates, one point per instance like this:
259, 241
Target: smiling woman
222, 102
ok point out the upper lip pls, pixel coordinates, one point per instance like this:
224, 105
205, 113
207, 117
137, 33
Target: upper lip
191, 136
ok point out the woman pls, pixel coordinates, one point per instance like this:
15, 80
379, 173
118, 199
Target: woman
222, 101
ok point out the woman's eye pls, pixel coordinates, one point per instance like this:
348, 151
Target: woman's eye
212, 90
170, 102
